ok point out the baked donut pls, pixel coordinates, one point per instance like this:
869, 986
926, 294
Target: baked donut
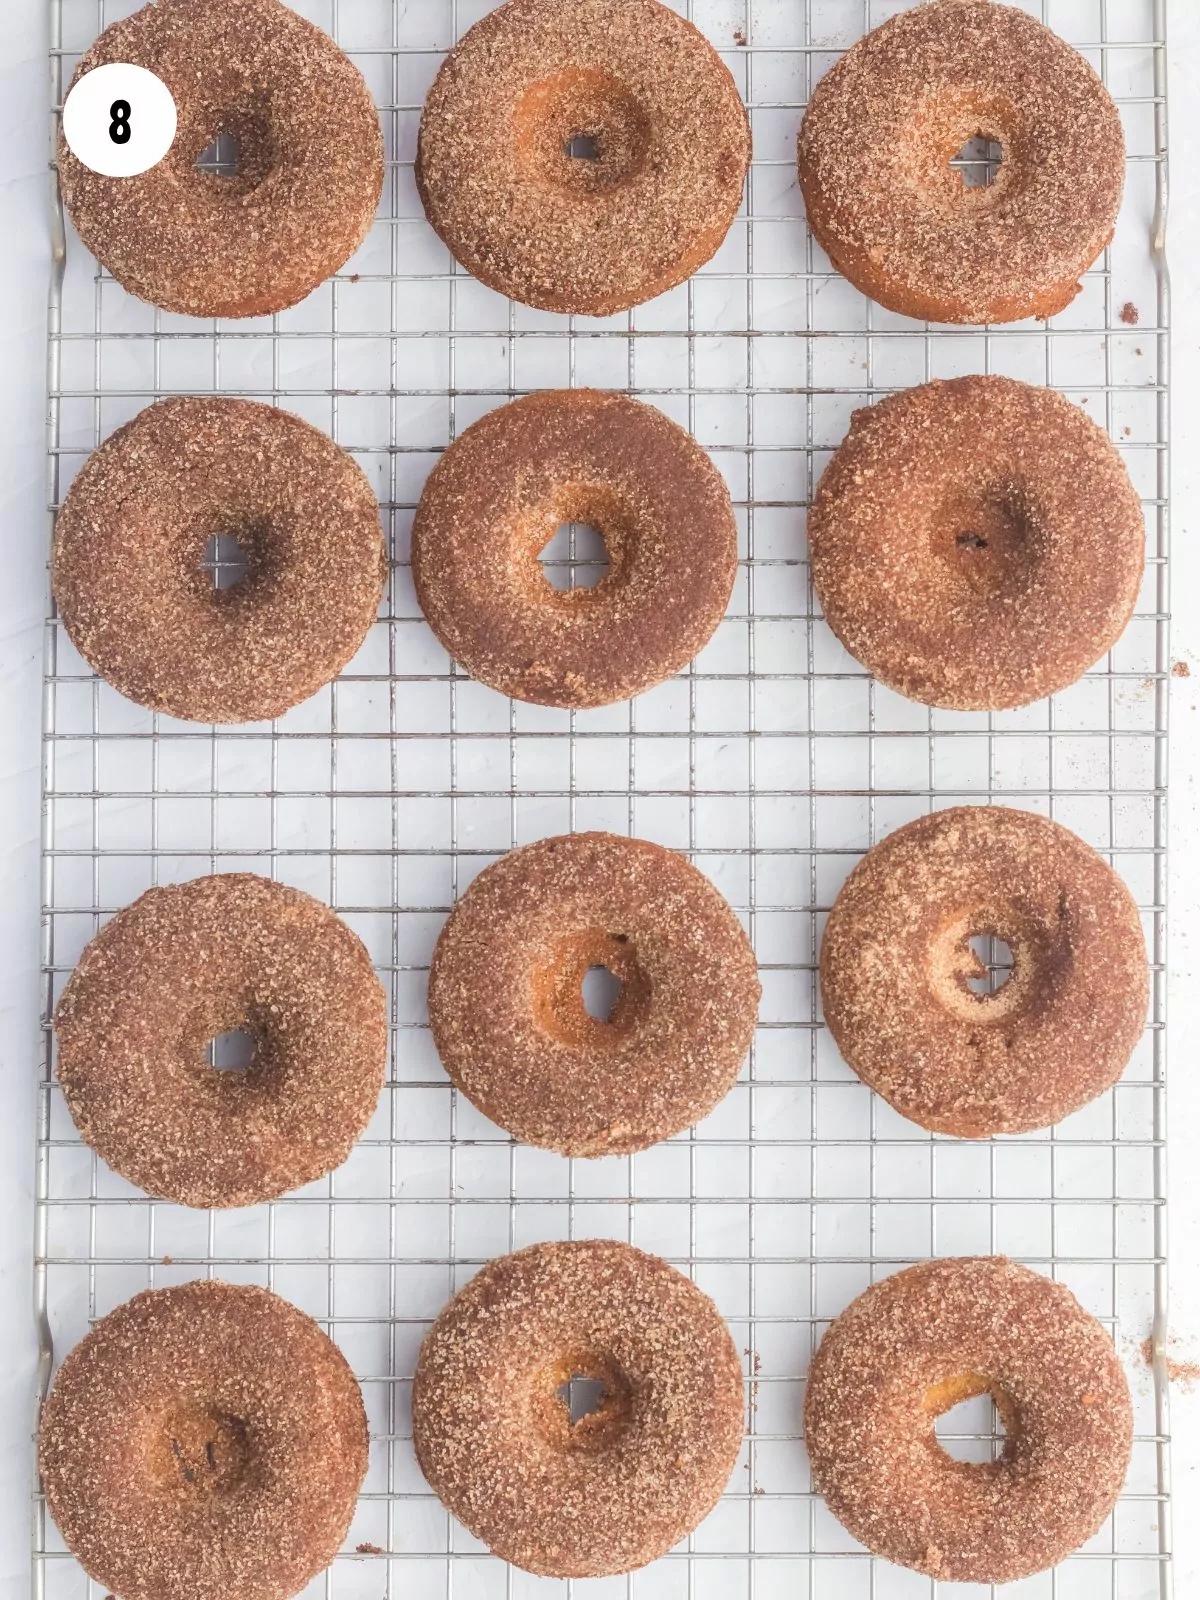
494, 1435
893, 215
177, 1446
583, 155
976, 544
897, 965
133, 532
506, 1004
919, 1343
495, 500
309, 161
180, 967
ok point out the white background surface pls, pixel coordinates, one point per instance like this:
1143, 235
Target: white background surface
23, 277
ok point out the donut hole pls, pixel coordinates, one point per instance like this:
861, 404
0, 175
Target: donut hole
582, 131
592, 991
237, 150
969, 1418
990, 539
201, 1451
601, 993
220, 158
994, 956
582, 1402
978, 161
225, 560
575, 557
231, 1051
582, 1396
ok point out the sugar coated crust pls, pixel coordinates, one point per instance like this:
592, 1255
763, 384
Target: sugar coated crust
619, 1487
914, 1346
894, 216
977, 544
506, 1005
309, 161
896, 965
185, 964
206, 1440
497, 497
669, 139
131, 539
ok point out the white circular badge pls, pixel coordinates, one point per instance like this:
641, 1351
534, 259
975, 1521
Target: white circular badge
119, 120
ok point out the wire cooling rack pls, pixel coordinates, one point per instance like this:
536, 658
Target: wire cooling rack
774, 762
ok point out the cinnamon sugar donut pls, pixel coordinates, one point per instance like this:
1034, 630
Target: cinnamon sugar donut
914, 1346
309, 161
893, 215
896, 966
506, 1004
977, 543
498, 495
503, 176
133, 532
177, 1446
184, 965
617, 1488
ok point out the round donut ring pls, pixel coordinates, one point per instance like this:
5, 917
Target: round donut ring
184, 965
503, 176
896, 965
919, 1343
133, 533
506, 1004
176, 1446
309, 161
615, 1489
884, 125
498, 495
977, 543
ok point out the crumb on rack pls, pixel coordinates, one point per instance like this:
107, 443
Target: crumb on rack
1130, 314
1184, 1373
739, 36
1180, 669
365, 1549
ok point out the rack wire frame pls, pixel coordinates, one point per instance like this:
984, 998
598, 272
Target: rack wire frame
774, 762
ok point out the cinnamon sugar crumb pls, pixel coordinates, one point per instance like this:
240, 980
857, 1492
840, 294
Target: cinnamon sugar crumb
1180, 669
1130, 315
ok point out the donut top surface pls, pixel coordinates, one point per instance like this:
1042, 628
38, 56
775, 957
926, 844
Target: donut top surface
177, 1446
915, 1345
309, 169
896, 965
131, 539
622, 1485
883, 126
658, 109
185, 964
500, 493
506, 1003
977, 543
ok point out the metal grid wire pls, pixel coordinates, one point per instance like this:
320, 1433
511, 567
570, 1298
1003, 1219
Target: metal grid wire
774, 762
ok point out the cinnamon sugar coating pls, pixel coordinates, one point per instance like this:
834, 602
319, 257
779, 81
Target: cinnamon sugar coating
309, 173
896, 963
497, 497
917, 1344
619, 1487
506, 1005
977, 543
206, 1440
892, 214
670, 149
130, 541
185, 964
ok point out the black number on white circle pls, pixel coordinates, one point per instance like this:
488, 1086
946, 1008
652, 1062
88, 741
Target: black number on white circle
119, 130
